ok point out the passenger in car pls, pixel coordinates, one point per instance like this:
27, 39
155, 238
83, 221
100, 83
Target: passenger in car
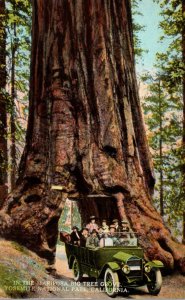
125, 233
92, 224
100, 232
83, 237
116, 225
93, 240
124, 228
114, 235
104, 226
75, 236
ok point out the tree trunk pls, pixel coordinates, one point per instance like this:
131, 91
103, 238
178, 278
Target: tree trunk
12, 115
3, 112
85, 130
183, 228
183, 95
161, 152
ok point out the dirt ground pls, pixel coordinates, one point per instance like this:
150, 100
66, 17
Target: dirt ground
173, 286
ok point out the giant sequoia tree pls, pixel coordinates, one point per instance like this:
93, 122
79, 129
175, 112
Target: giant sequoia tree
85, 130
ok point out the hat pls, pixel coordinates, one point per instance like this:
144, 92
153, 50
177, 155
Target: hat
75, 227
115, 220
112, 226
104, 220
92, 217
124, 222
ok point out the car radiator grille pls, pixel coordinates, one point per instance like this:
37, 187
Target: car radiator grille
135, 265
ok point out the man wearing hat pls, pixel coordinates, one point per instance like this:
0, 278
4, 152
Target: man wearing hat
92, 224
116, 225
92, 240
83, 237
75, 236
125, 233
124, 226
113, 235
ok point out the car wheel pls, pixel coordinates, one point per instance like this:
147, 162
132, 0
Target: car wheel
76, 270
154, 286
111, 282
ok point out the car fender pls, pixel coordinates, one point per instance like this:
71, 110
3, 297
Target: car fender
114, 266
155, 264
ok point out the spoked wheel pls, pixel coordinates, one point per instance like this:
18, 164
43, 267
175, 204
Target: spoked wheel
76, 270
111, 282
154, 286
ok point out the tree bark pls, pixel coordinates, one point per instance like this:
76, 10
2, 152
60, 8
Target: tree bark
183, 228
183, 95
85, 130
13, 98
3, 111
161, 152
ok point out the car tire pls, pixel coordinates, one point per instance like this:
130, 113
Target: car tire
77, 274
111, 282
154, 287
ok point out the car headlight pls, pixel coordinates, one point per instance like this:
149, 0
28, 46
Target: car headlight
126, 269
147, 269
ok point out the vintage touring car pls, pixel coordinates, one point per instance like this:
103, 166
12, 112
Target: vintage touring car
117, 267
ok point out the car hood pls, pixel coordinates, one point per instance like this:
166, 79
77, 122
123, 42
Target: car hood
124, 256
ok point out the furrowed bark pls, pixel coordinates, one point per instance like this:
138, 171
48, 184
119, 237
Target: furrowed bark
183, 96
13, 98
85, 130
3, 111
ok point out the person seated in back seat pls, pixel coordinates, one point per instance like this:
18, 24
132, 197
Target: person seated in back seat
125, 233
114, 235
92, 224
104, 226
100, 233
93, 240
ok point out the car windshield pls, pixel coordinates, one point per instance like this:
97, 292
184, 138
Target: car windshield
118, 239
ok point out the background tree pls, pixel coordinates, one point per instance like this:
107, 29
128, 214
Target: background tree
137, 28
18, 63
3, 108
163, 116
85, 130
172, 63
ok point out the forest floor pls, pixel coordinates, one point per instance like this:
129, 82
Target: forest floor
173, 286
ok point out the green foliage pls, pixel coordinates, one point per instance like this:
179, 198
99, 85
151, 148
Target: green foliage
18, 49
163, 117
173, 26
21, 271
7, 277
70, 217
138, 50
172, 65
